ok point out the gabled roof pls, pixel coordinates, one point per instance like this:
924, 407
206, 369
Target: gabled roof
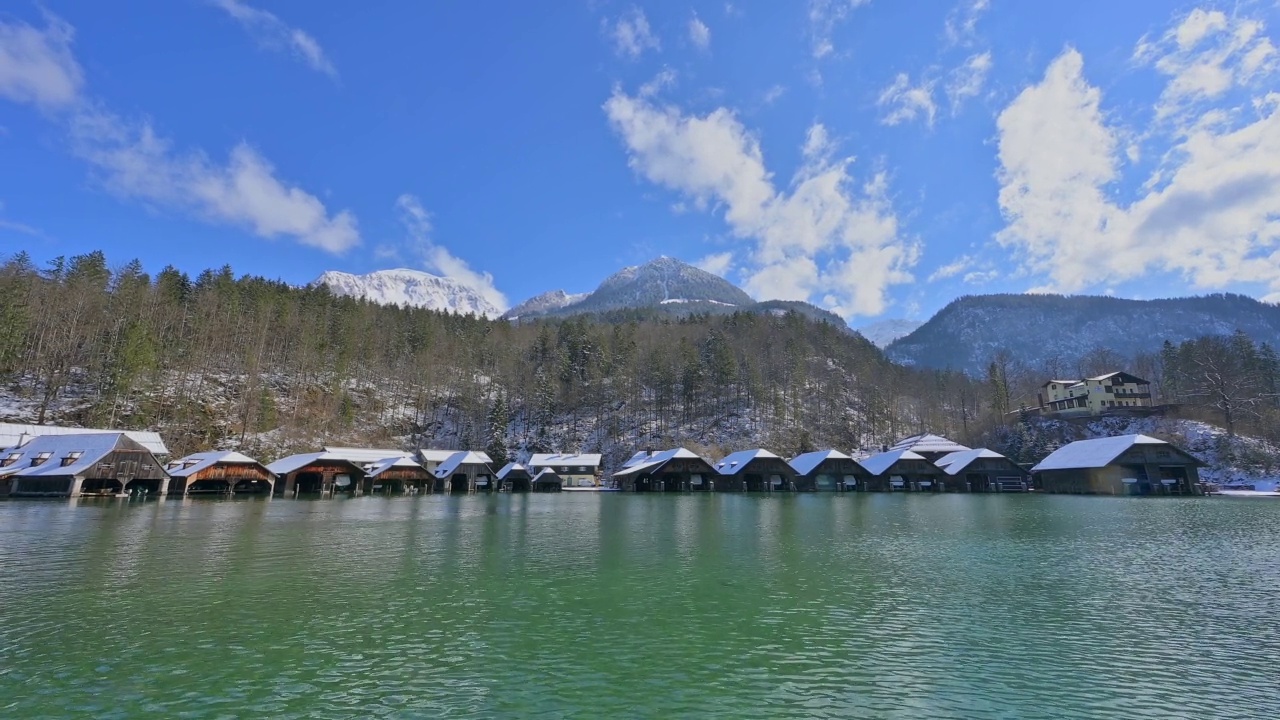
286, 465
547, 475
386, 464
1095, 453
463, 457
197, 462
435, 456
13, 435
546, 459
92, 447
645, 461
364, 456
877, 464
1060, 382
510, 468
1127, 377
956, 462
928, 443
734, 463
808, 462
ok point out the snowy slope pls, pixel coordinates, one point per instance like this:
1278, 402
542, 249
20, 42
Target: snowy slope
886, 331
544, 303
409, 287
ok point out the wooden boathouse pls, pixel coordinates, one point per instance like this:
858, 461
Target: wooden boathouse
547, 480
219, 473
77, 465
398, 475
317, 472
1122, 465
754, 471
900, 470
827, 471
676, 470
929, 446
982, 470
465, 472
514, 477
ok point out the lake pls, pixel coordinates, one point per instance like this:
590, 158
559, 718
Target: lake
609, 605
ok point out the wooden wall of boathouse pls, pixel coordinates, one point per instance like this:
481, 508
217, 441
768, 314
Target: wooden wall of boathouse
675, 475
988, 475
320, 476
225, 478
916, 476
830, 476
757, 475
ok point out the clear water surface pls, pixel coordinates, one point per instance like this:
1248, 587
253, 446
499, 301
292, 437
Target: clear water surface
589, 606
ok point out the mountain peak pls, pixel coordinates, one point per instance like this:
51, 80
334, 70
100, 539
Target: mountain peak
414, 288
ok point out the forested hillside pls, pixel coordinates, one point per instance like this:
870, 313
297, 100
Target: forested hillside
225, 361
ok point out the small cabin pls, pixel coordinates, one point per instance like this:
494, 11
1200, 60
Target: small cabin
982, 470
465, 472
901, 471
754, 471
1121, 465
400, 474
547, 481
676, 470
827, 471
432, 459
219, 473
576, 469
514, 477
316, 473
110, 464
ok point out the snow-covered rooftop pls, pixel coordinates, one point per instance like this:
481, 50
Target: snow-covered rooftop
547, 475
463, 457
286, 465
92, 447
929, 443
386, 464
362, 456
644, 460
806, 463
877, 464
1095, 453
15, 434
510, 468
565, 459
956, 462
435, 456
736, 461
196, 462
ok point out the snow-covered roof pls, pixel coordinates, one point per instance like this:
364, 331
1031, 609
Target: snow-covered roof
928, 443
435, 456
1060, 382
547, 475
386, 464
1108, 376
1095, 453
806, 463
286, 465
363, 456
877, 464
91, 446
957, 461
463, 457
13, 435
580, 459
736, 461
644, 460
510, 468
197, 462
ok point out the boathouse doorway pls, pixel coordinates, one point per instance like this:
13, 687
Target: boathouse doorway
309, 482
754, 483
101, 486
144, 486
460, 484
252, 486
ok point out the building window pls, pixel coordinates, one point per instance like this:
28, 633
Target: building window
41, 459
72, 457
10, 459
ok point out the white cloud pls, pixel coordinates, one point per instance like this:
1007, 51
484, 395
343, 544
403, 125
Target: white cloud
275, 34
821, 236
953, 268
134, 162
37, 65
716, 263
437, 258
961, 27
632, 36
773, 94
968, 80
1210, 212
906, 102
699, 33
981, 277
824, 17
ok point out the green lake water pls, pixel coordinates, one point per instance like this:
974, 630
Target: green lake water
609, 605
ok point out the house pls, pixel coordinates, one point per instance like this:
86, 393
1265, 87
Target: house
900, 470
16, 435
317, 472
464, 471
576, 469
547, 480
666, 471
1094, 396
929, 446
432, 459
754, 471
982, 470
1121, 465
78, 464
398, 474
220, 472
827, 471
514, 477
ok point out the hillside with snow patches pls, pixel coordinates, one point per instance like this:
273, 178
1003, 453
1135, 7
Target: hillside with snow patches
884, 332
412, 288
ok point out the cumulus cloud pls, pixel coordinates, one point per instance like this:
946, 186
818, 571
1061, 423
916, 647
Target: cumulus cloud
270, 32
437, 258
904, 101
37, 65
824, 17
716, 263
1208, 212
699, 33
823, 236
968, 80
632, 36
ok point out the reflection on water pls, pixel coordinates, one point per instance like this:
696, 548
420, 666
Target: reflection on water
606, 605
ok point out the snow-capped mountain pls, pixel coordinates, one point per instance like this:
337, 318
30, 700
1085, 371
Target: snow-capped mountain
409, 287
883, 332
545, 303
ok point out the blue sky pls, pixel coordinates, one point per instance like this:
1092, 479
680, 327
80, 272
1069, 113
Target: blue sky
876, 158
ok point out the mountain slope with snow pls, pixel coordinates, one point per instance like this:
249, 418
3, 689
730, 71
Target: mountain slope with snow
545, 303
413, 288
883, 332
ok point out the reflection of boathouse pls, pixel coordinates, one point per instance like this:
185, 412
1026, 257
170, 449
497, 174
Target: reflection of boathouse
900, 470
827, 471
1123, 465
981, 470
754, 471
319, 472
84, 464
673, 470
